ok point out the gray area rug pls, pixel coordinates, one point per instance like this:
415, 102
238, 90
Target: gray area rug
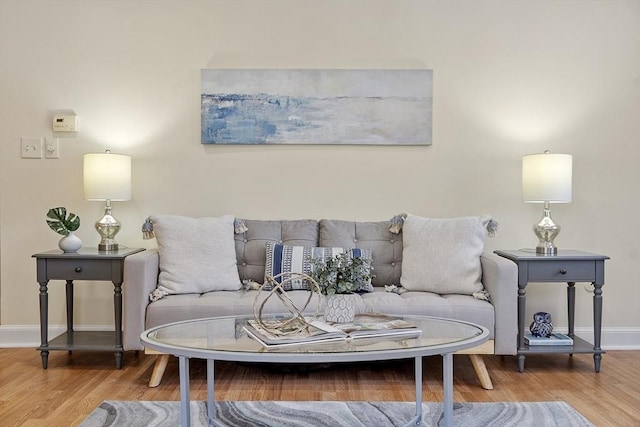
334, 414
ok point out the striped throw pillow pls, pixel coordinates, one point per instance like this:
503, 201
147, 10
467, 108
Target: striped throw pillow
297, 259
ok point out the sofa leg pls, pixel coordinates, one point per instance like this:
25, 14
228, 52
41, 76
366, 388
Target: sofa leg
158, 370
481, 371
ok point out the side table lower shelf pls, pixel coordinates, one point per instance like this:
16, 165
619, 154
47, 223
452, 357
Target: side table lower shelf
579, 346
85, 341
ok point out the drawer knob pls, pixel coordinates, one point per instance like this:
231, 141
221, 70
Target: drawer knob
78, 269
563, 271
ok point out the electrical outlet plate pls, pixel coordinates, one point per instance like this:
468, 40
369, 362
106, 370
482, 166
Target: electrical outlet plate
31, 148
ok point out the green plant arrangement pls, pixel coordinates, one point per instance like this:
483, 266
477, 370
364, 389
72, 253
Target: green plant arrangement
342, 274
62, 223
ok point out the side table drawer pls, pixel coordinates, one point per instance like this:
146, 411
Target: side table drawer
557, 271
83, 269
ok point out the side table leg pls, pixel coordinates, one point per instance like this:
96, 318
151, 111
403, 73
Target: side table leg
185, 395
117, 306
522, 304
597, 359
44, 324
571, 307
521, 363
69, 296
597, 324
118, 355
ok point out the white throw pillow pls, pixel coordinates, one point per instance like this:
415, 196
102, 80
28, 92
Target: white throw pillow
197, 255
442, 255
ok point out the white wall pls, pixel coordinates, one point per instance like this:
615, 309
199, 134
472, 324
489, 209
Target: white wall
510, 78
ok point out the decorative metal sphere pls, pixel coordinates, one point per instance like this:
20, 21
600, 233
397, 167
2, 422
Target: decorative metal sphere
297, 322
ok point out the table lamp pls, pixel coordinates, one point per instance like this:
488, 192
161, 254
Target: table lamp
546, 178
107, 177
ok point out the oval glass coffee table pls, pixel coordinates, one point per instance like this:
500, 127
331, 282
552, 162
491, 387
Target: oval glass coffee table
224, 338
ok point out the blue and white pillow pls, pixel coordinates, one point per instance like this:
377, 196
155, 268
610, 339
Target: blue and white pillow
297, 259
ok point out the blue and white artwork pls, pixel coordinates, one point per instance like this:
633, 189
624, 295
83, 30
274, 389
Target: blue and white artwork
271, 106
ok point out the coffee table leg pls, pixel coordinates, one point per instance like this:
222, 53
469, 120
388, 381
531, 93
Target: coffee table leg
418, 375
447, 381
210, 393
185, 410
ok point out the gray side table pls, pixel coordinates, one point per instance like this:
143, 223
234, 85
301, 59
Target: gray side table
86, 264
570, 267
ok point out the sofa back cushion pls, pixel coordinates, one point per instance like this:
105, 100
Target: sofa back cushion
251, 245
196, 254
442, 255
385, 246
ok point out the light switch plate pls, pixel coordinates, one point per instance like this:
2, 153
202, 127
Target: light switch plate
31, 148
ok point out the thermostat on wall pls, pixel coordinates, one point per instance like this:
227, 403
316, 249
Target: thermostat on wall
65, 123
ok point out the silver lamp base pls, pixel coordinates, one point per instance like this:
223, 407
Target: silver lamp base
547, 231
107, 227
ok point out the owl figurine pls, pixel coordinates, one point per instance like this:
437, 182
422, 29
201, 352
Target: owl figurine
541, 325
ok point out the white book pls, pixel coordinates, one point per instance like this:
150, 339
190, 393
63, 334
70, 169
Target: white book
554, 339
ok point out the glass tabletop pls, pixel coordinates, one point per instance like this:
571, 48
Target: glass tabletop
225, 338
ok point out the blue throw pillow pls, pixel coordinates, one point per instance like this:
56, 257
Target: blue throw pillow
297, 259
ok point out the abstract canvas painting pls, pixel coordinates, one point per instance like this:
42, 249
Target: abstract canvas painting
316, 106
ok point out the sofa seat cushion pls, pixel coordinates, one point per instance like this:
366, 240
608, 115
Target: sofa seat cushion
174, 308
458, 307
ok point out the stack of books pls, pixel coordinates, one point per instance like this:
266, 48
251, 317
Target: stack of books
370, 325
554, 339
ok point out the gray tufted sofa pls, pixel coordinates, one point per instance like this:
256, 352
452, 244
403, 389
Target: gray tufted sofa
499, 278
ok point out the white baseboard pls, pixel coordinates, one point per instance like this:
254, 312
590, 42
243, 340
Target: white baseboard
613, 338
29, 335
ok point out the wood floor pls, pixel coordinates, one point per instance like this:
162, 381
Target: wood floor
74, 385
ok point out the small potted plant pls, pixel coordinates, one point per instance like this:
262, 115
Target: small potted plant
65, 225
339, 277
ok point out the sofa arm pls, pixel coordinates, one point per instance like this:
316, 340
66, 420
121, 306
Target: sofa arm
140, 279
500, 279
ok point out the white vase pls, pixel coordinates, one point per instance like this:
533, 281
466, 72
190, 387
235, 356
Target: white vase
340, 308
70, 243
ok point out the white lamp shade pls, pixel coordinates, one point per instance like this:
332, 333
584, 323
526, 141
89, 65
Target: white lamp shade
107, 176
546, 178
